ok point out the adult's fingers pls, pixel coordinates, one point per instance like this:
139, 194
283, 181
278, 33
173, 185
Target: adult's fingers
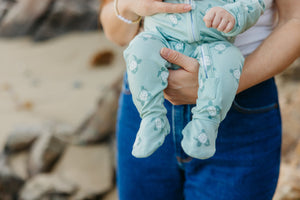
186, 62
162, 7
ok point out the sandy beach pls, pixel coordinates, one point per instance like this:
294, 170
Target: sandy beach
52, 80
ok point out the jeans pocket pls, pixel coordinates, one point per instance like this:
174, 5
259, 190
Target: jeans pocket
254, 110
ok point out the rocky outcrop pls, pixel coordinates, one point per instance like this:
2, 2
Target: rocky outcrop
21, 138
44, 153
47, 186
20, 19
100, 124
48, 18
57, 161
10, 183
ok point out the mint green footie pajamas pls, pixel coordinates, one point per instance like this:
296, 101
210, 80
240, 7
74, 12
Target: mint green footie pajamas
220, 68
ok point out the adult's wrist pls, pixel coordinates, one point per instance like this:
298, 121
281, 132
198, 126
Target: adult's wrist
125, 10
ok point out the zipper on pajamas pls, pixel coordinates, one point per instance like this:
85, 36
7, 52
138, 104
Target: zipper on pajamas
192, 21
203, 61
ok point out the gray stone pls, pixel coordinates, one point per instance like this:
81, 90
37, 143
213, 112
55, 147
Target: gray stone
44, 153
47, 186
10, 183
88, 166
18, 164
21, 137
47, 18
69, 15
5, 5
100, 124
22, 16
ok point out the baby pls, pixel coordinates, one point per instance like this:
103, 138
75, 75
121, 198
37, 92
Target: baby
220, 68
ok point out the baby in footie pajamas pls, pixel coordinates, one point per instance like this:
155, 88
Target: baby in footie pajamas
219, 71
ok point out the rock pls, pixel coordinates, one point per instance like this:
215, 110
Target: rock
23, 16
100, 124
47, 186
112, 195
21, 137
5, 5
69, 15
88, 166
44, 153
102, 58
10, 183
18, 164
85, 195
62, 131
292, 73
290, 106
289, 183
47, 18
294, 157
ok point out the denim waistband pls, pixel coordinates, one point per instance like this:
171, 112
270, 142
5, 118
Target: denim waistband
257, 97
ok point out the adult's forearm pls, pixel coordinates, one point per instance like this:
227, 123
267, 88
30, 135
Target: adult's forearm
116, 30
122, 33
274, 55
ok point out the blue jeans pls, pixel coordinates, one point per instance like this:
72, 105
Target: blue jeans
245, 166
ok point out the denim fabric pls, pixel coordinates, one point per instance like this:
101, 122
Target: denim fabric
245, 166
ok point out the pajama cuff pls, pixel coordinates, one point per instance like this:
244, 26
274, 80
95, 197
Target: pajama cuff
245, 13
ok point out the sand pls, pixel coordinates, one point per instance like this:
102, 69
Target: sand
52, 80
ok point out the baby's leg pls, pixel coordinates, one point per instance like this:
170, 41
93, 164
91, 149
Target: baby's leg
147, 77
220, 68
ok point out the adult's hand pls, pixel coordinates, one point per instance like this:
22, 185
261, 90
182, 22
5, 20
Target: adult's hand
122, 33
182, 83
135, 8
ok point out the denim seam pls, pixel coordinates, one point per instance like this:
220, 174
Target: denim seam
254, 110
174, 135
180, 160
173, 126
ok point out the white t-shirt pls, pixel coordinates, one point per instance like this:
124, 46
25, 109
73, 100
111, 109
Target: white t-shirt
251, 39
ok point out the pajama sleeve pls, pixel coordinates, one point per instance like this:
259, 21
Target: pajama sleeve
246, 14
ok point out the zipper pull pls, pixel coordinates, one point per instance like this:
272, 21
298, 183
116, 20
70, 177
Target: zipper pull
193, 4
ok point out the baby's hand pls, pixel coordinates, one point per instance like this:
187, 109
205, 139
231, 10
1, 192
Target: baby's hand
220, 19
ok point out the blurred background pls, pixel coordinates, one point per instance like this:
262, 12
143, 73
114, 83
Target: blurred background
60, 80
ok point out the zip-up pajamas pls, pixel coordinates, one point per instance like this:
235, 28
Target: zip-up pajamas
220, 68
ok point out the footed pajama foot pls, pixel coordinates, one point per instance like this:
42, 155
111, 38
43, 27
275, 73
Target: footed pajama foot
199, 138
150, 136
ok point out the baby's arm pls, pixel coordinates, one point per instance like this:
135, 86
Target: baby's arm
234, 18
220, 19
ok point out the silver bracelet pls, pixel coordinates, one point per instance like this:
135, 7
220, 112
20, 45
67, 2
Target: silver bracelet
123, 18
